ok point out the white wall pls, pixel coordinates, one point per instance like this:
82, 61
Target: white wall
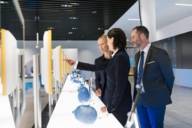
182, 76
128, 20
148, 16
178, 27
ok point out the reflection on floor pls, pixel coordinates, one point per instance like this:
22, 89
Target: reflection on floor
179, 113
27, 120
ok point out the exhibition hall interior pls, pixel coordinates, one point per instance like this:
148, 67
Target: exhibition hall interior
51, 77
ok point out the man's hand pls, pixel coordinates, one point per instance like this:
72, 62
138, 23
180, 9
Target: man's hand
98, 92
70, 61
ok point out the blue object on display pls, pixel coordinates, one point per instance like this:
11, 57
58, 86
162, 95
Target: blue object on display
28, 86
76, 81
83, 94
85, 114
75, 73
76, 77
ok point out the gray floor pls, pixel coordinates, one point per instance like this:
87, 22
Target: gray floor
27, 119
179, 113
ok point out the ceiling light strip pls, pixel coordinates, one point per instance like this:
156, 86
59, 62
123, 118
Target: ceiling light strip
186, 5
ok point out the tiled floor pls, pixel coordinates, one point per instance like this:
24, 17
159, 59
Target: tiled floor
179, 113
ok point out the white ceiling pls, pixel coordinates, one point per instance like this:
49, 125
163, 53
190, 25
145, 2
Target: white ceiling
124, 23
166, 13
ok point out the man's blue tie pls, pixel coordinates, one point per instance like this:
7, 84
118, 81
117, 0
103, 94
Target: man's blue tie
141, 70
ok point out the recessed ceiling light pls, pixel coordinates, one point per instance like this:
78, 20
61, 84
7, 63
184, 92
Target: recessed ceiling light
75, 4
99, 28
67, 5
133, 19
70, 33
3, 2
93, 12
181, 4
74, 28
73, 18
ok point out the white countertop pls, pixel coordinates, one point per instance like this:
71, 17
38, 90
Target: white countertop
62, 116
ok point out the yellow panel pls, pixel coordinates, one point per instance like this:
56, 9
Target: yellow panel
61, 65
3, 62
50, 77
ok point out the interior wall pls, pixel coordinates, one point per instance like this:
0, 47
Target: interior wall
176, 28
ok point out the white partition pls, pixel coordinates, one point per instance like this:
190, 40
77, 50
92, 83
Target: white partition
47, 61
9, 62
58, 72
42, 67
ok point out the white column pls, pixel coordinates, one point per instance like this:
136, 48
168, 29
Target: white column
148, 17
36, 93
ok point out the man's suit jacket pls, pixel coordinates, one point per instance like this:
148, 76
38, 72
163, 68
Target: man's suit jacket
117, 95
158, 78
100, 76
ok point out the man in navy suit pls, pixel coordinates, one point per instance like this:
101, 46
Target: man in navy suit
154, 77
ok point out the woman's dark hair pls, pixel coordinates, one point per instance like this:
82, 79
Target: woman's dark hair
119, 38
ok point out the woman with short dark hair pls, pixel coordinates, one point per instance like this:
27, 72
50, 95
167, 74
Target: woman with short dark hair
119, 38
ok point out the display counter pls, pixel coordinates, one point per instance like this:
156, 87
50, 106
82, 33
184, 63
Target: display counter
63, 117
